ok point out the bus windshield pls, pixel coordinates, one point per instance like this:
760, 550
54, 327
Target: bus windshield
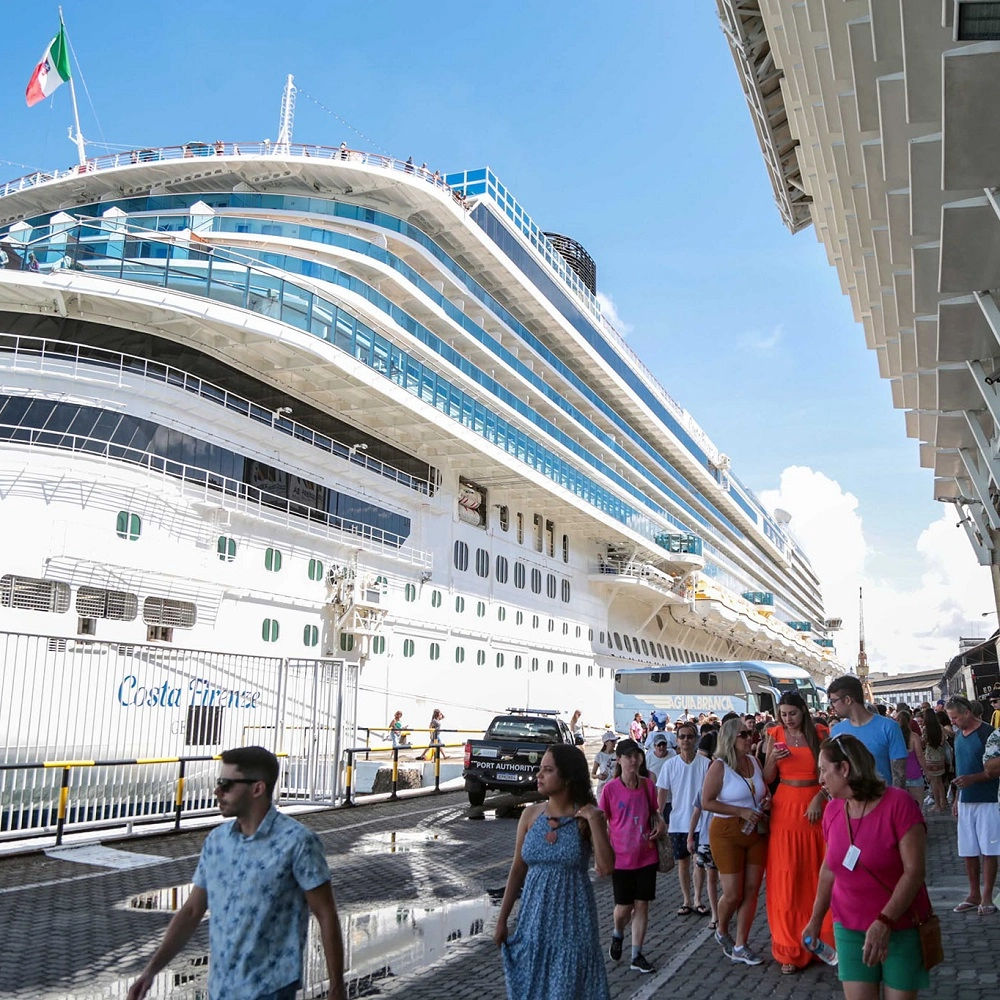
709, 688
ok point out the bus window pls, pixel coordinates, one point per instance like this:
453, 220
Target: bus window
707, 679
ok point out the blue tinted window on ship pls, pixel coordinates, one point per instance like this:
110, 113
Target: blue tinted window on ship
519, 575
461, 556
501, 570
536, 581
136, 441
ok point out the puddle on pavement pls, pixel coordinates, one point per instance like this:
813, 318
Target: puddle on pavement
378, 943
396, 841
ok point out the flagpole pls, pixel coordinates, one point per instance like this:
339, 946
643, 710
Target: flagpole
77, 139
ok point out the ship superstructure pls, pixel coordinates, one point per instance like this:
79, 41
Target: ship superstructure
311, 402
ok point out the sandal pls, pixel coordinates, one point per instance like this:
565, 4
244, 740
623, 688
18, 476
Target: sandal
965, 906
702, 910
987, 909
713, 924
789, 970
685, 911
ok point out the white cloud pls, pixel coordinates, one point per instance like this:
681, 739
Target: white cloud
758, 341
610, 312
906, 628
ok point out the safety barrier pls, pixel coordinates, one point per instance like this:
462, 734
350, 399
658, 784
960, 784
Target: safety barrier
116, 815
350, 795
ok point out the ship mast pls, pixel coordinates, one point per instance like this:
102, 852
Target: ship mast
862, 668
286, 120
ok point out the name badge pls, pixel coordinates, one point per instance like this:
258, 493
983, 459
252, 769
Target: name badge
851, 857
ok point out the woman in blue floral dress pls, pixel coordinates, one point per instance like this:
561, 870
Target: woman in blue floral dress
555, 952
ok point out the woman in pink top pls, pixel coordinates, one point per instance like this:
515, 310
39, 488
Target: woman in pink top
634, 822
873, 876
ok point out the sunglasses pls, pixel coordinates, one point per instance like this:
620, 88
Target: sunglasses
744, 733
224, 784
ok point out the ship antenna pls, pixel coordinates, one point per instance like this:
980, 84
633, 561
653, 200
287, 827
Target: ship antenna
862, 655
76, 139
286, 121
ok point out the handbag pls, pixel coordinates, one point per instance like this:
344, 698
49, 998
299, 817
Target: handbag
931, 945
665, 857
664, 849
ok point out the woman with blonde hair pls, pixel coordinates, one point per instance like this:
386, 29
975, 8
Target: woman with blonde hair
872, 876
735, 793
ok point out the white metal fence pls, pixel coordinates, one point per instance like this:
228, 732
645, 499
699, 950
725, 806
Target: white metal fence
121, 715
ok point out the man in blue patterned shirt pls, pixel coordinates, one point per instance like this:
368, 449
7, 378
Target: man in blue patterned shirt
261, 875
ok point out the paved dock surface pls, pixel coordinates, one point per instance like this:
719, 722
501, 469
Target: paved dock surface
417, 882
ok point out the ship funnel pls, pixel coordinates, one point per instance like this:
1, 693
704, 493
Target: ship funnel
577, 257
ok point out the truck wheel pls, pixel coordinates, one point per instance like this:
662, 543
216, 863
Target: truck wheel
477, 796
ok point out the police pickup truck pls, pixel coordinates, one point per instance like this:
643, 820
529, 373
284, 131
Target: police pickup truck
508, 755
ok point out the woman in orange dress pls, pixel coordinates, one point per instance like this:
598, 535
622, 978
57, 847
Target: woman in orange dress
797, 849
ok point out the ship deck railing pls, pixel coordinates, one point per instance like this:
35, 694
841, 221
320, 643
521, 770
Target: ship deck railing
196, 150
19, 352
201, 485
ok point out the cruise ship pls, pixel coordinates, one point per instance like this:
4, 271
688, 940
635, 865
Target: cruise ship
294, 436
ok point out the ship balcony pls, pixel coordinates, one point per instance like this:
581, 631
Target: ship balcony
643, 581
800, 626
682, 550
735, 616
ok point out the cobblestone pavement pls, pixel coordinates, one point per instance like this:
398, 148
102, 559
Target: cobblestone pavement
68, 933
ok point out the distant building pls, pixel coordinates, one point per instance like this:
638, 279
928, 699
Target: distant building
913, 689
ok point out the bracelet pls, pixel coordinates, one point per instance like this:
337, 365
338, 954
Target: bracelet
883, 919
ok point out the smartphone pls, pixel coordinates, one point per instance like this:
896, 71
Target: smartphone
780, 746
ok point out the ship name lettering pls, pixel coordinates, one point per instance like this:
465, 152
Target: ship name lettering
132, 694
206, 694
201, 693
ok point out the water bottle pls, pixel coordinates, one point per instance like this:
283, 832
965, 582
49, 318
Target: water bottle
748, 827
821, 950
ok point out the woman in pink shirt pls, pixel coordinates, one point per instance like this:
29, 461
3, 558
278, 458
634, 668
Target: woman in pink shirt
628, 801
873, 876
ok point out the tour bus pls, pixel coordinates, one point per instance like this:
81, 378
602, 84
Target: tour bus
692, 688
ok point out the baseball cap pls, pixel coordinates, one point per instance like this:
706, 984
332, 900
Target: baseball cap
993, 695
609, 735
659, 738
626, 748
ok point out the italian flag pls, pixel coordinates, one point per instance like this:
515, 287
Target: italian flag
51, 71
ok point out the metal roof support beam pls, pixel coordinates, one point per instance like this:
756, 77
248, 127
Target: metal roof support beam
977, 538
986, 448
981, 485
991, 312
988, 393
993, 197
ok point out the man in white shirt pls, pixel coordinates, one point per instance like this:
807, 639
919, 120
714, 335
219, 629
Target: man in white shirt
680, 780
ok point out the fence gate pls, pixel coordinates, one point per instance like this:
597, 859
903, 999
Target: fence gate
317, 719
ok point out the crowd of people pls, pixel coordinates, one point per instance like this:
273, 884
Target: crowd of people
828, 806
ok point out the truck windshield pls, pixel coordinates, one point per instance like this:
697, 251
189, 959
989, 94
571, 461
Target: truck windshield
537, 730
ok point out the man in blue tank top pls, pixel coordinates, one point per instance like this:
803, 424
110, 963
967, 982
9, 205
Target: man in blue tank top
882, 736
975, 806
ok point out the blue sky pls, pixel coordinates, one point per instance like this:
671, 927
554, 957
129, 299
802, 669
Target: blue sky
621, 125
